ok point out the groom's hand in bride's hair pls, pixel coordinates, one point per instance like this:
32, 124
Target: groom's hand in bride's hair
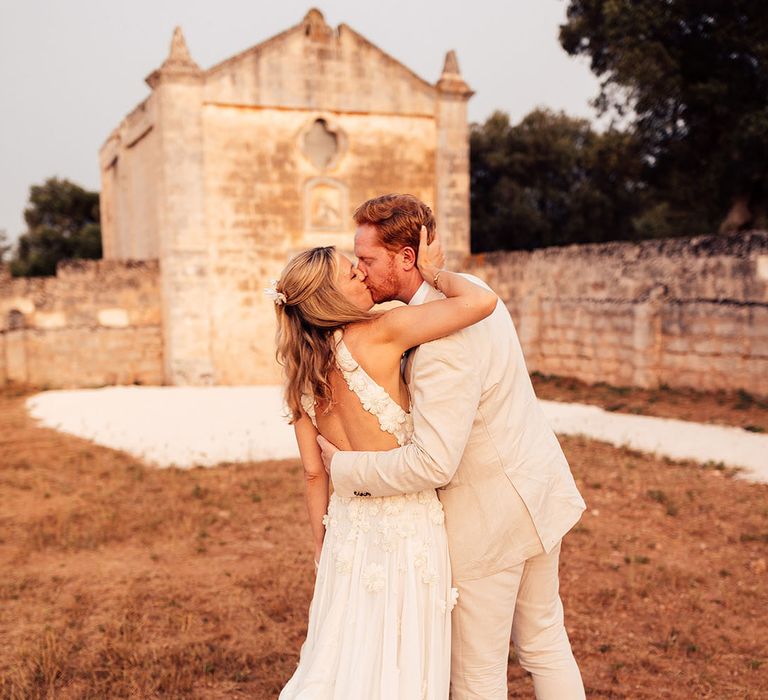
327, 450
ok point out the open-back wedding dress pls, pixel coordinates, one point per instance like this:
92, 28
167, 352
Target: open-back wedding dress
379, 622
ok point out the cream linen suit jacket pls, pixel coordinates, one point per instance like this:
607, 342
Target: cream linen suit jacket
481, 438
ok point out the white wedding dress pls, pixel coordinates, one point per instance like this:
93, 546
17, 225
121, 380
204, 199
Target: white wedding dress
380, 618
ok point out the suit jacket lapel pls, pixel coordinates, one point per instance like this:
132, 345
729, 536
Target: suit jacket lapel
407, 365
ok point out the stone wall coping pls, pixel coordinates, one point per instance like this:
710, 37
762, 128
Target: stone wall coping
736, 245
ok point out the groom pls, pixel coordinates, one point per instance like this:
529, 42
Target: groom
505, 485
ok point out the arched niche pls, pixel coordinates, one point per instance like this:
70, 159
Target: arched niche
326, 205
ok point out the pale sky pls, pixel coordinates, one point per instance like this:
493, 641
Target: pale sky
70, 70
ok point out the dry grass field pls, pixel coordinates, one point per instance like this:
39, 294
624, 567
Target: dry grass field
121, 581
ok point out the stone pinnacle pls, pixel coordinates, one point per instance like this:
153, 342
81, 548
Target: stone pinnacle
179, 55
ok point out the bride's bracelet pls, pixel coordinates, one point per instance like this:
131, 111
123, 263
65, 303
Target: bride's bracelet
434, 281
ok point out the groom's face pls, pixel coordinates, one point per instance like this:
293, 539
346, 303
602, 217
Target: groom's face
377, 263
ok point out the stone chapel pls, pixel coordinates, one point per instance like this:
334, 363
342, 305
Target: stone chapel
222, 174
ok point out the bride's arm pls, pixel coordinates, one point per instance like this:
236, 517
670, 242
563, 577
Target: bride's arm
466, 303
316, 480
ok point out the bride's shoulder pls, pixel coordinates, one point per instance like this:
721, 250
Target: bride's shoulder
387, 325
369, 343
371, 331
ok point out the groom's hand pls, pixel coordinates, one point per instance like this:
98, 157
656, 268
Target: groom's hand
327, 450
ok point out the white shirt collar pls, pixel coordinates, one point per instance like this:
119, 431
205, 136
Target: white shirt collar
421, 295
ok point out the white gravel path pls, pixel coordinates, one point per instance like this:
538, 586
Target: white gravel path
189, 426
666, 437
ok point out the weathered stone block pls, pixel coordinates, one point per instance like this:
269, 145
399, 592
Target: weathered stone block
604, 351
734, 347
113, 318
677, 344
761, 267
549, 349
50, 319
758, 348
706, 347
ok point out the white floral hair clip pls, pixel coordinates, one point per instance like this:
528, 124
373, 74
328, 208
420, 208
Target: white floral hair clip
278, 297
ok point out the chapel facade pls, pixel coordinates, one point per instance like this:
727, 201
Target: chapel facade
223, 174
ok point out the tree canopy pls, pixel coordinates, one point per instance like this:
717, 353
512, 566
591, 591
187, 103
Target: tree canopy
692, 77
553, 180
62, 223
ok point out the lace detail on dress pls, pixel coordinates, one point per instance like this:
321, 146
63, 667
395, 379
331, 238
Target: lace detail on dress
308, 404
386, 522
374, 398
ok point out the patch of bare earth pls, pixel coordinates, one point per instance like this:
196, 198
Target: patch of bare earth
736, 408
122, 581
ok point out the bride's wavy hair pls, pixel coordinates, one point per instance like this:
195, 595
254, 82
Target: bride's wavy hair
313, 309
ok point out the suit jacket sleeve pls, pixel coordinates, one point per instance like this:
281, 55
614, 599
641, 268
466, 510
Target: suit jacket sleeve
446, 391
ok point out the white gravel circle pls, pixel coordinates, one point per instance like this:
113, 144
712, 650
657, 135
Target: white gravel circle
174, 426
205, 426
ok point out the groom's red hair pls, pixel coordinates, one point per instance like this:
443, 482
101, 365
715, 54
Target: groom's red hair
398, 218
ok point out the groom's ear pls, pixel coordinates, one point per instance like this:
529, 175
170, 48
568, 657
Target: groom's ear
408, 256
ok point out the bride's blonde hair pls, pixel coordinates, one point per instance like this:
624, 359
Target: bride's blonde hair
313, 309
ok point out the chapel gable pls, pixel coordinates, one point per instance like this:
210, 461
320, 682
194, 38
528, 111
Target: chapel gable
315, 66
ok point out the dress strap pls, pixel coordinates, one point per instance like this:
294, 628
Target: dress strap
308, 404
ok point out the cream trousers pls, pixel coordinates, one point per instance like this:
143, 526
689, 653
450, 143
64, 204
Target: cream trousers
522, 602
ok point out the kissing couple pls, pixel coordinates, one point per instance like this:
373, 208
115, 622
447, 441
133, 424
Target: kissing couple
450, 494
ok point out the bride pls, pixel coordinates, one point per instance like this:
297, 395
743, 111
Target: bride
379, 621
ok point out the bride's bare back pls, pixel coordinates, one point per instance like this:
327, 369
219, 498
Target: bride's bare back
348, 424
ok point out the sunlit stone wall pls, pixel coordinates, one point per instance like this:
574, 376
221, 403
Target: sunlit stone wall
681, 312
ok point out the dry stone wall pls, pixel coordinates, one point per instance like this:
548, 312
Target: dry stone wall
94, 323
681, 312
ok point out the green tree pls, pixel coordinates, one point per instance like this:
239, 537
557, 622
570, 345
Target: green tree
551, 180
692, 76
62, 223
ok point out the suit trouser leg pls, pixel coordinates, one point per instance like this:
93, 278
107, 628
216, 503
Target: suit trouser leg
481, 624
538, 631
522, 601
